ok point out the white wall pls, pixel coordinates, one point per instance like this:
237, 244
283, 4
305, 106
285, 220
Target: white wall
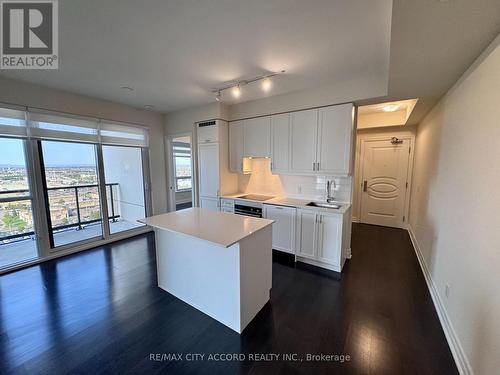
183, 121
26, 94
454, 213
391, 131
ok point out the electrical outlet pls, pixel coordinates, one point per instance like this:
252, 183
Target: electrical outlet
447, 290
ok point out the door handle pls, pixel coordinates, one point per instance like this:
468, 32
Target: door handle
365, 185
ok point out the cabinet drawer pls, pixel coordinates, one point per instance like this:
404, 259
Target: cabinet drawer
227, 203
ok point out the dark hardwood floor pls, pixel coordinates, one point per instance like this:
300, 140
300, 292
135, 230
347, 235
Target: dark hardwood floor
183, 206
100, 312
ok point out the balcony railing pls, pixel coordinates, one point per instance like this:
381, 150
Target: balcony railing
76, 192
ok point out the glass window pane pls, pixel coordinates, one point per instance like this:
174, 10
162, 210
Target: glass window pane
124, 187
17, 240
73, 191
183, 183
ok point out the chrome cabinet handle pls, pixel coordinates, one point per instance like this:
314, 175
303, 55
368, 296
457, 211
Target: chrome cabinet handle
314, 166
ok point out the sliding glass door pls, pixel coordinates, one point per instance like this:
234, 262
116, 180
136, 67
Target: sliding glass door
68, 181
123, 171
17, 229
72, 190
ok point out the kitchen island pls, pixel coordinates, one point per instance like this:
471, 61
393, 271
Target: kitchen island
217, 262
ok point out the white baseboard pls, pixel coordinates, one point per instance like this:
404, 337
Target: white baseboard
457, 351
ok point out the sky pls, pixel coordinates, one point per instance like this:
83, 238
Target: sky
54, 153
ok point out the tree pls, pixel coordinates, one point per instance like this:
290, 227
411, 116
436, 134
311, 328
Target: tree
13, 221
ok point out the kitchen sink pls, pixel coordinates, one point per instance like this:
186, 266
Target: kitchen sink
323, 205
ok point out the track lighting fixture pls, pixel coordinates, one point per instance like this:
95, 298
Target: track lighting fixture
235, 88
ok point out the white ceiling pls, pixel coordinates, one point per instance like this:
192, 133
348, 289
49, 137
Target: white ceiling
173, 53
433, 42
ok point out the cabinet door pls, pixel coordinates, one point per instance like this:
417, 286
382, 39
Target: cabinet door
335, 139
280, 142
304, 130
208, 133
283, 227
236, 146
306, 233
257, 137
329, 238
208, 169
209, 203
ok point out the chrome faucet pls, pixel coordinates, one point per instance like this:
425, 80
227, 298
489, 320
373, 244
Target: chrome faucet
329, 197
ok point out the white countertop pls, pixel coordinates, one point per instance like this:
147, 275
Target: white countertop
220, 228
297, 203
301, 203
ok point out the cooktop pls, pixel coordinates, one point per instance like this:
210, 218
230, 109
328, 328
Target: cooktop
256, 197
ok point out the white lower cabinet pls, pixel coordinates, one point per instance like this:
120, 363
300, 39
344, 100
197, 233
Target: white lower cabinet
210, 203
329, 238
283, 226
319, 238
306, 233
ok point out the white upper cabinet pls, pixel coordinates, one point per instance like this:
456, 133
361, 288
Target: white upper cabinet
280, 143
335, 128
257, 137
303, 139
310, 142
236, 146
208, 169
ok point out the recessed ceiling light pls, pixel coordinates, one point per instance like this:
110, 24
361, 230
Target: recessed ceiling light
149, 107
391, 108
127, 88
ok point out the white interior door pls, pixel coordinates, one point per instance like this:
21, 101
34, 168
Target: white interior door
384, 182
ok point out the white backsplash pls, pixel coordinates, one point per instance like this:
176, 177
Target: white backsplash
262, 181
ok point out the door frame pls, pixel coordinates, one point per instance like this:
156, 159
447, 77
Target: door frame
171, 201
361, 140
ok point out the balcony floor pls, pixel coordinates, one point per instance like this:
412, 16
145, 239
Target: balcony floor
25, 250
